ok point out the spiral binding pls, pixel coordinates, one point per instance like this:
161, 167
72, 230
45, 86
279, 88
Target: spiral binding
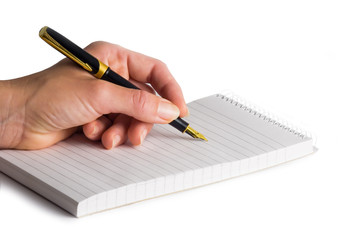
265, 115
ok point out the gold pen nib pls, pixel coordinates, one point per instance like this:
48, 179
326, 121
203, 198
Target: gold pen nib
193, 133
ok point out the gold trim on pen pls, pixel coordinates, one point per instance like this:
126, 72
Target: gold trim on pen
192, 132
102, 69
52, 42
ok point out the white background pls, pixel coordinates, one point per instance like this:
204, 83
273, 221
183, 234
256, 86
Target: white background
283, 55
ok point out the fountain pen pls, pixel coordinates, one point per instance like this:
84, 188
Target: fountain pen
101, 70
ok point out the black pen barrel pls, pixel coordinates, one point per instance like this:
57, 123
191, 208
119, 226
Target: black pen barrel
179, 124
115, 78
75, 50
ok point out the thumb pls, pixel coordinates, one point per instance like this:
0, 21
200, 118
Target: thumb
139, 104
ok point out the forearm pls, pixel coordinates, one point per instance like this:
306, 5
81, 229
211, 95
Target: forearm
12, 111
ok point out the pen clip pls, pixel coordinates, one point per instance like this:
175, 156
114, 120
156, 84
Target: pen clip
43, 34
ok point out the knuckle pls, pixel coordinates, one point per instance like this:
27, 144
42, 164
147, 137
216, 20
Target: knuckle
160, 64
140, 100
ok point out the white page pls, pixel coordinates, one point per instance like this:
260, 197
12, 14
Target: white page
238, 142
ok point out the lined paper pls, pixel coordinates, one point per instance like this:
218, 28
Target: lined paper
238, 142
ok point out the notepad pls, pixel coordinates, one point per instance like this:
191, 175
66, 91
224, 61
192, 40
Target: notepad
83, 178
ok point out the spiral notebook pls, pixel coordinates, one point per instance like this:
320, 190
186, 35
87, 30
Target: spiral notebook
83, 178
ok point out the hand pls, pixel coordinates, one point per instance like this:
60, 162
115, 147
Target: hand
39, 110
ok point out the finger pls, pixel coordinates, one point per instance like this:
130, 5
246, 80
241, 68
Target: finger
117, 62
149, 70
117, 133
105, 97
112, 55
133, 65
143, 86
95, 129
138, 131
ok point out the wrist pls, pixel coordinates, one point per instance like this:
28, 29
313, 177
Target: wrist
12, 112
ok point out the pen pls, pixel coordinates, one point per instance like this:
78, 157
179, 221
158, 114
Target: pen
101, 71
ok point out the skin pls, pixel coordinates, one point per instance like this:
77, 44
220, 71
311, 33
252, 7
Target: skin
41, 109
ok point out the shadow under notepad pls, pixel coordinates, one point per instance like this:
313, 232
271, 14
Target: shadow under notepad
31, 196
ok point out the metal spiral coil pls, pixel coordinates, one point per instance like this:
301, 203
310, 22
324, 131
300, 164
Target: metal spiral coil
264, 115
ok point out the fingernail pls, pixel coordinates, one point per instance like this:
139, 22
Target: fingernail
116, 141
142, 136
167, 111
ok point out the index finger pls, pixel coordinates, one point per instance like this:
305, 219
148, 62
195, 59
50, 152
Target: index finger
141, 68
150, 70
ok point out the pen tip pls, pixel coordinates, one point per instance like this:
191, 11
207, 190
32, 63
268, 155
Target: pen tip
193, 133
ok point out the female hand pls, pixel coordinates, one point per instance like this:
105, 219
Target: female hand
39, 110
